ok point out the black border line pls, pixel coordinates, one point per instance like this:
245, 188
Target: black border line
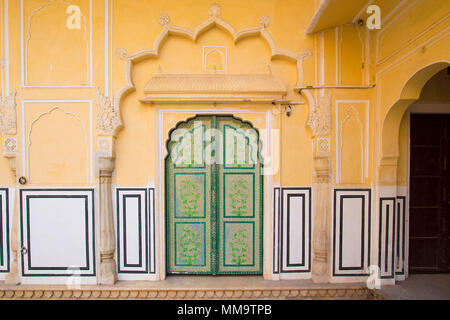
386, 240
276, 232
89, 190
341, 231
288, 215
120, 195
1, 231
86, 230
124, 230
281, 247
364, 245
4, 247
403, 240
151, 194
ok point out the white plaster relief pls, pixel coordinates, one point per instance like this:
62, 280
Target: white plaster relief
219, 50
8, 116
319, 119
9, 146
108, 115
213, 21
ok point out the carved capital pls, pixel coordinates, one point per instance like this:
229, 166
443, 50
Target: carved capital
105, 167
108, 116
8, 121
322, 167
106, 156
319, 119
10, 152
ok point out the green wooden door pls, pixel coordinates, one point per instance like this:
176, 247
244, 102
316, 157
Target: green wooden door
214, 198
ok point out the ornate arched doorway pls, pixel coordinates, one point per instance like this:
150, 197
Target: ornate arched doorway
214, 196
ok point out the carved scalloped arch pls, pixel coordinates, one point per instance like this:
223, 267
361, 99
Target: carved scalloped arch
213, 21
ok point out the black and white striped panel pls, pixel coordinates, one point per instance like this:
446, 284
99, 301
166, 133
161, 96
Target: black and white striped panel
386, 239
57, 232
400, 233
132, 231
295, 231
351, 232
276, 229
4, 231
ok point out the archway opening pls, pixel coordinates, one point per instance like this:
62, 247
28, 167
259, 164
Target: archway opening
428, 120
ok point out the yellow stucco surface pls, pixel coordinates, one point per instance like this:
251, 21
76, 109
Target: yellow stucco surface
49, 62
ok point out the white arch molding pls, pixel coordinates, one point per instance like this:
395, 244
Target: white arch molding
213, 21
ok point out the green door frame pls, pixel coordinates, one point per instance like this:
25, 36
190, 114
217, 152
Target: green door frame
215, 210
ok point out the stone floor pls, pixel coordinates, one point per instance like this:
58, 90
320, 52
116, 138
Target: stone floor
420, 287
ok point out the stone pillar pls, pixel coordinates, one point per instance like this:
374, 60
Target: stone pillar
8, 129
10, 153
108, 273
108, 124
319, 121
322, 214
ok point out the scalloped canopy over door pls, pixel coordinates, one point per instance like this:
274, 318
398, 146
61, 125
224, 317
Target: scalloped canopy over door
214, 188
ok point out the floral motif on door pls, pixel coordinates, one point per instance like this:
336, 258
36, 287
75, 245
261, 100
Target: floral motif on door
190, 244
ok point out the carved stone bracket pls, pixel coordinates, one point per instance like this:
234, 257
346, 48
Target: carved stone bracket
319, 119
8, 121
105, 165
108, 116
10, 152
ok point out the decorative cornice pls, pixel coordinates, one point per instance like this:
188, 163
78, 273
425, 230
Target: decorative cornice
112, 293
214, 87
215, 83
108, 115
319, 119
8, 124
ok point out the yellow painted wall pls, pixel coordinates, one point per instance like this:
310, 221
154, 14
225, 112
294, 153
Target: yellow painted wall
51, 55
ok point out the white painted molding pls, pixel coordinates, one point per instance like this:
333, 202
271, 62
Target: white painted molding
162, 135
5, 67
213, 21
207, 50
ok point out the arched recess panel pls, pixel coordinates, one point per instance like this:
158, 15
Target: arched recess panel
352, 141
46, 61
48, 128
